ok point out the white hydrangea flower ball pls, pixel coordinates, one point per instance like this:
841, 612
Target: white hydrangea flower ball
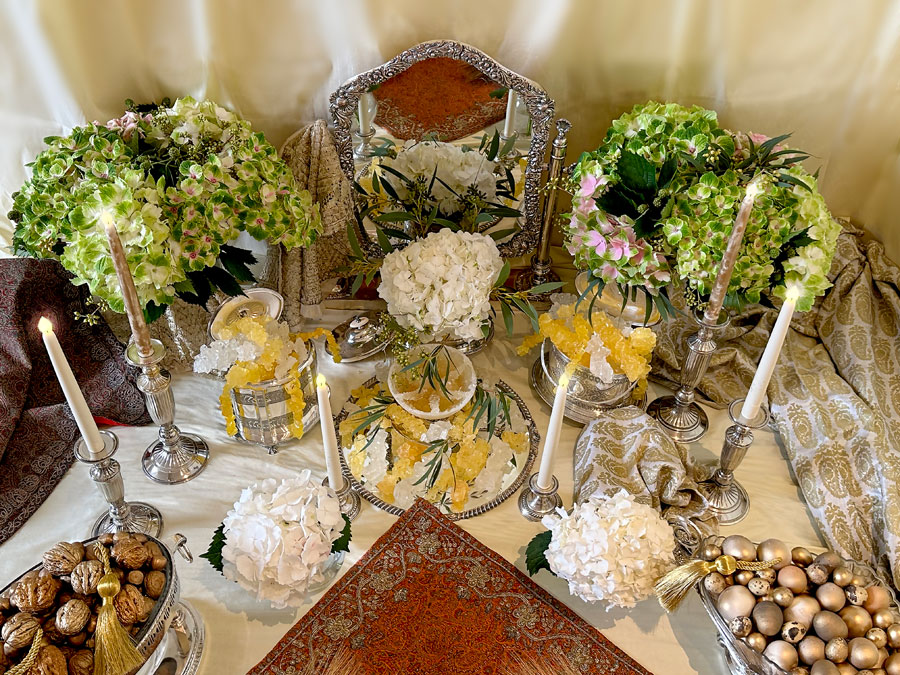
611, 549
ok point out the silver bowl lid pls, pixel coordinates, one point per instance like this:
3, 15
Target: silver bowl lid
358, 337
254, 302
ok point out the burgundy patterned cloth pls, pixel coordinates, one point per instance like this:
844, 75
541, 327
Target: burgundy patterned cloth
37, 430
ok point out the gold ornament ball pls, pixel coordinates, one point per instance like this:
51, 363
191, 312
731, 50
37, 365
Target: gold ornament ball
743, 577
802, 609
858, 620
800, 670
811, 649
877, 636
736, 601
882, 657
829, 626
774, 548
824, 667
883, 618
842, 576
740, 547
801, 556
768, 618
858, 580
831, 597
782, 596
878, 598
846, 669
863, 654
756, 642
782, 654
893, 635
710, 552
793, 577
892, 664
829, 559
837, 650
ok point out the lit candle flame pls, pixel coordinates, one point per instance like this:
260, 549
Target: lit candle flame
45, 325
320, 381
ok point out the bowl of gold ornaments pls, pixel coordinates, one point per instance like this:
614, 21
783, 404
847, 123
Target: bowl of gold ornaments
109, 600
786, 611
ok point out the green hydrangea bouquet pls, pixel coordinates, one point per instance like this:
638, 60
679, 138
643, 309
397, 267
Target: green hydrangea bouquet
180, 181
657, 201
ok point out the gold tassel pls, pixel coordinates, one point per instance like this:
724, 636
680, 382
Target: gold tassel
24, 666
114, 649
674, 586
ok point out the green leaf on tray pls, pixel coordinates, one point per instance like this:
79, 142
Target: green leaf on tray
535, 559
214, 552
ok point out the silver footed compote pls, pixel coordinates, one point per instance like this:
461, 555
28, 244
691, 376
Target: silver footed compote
176, 457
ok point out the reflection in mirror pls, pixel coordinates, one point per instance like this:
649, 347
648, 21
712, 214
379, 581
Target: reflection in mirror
443, 136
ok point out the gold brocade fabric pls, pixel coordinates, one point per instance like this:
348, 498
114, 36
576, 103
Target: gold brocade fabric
834, 397
627, 449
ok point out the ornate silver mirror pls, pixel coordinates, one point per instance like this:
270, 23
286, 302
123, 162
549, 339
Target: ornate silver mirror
443, 135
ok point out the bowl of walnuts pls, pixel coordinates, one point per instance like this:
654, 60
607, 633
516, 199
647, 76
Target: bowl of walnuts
60, 597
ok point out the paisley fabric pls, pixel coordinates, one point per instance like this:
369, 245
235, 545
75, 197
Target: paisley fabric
37, 431
429, 599
627, 449
834, 397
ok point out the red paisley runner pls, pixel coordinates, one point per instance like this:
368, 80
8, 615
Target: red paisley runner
430, 599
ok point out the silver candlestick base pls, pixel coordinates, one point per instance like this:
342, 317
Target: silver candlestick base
175, 457
363, 149
536, 502
682, 418
349, 499
726, 498
107, 474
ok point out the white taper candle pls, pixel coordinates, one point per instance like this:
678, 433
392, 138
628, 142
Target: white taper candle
72, 392
766, 367
365, 114
551, 438
329, 439
509, 124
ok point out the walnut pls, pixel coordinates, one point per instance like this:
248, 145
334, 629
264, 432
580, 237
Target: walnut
142, 538
52, 632
129, 604
135, 577
86, 576
153, 548
50, 661
79, 639
154, 582
158, 562
82, 662
92, 624
106, 538
148, 607
72, 617
19, 631
62, 558
130, 553
4, 603
35, 592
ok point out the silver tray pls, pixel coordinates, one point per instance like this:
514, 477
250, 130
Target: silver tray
174, 630
742, 659
502, 496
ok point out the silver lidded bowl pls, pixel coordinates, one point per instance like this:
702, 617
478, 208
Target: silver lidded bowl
740, 657
174, 630
588, 397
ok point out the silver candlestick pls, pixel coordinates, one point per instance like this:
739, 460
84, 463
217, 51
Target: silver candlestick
540, 272
682, 418
176, 457
363, 149
107, 474
349, 499
727, 499
536, 502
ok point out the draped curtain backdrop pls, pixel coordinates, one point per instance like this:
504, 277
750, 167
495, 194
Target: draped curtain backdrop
826, 70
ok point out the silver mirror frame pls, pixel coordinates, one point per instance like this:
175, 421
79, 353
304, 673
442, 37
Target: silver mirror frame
343, 106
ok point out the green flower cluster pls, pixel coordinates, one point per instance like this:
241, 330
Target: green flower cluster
178, 181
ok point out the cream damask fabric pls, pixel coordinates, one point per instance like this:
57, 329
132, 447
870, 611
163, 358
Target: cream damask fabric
313, 158
834, 397
627, 449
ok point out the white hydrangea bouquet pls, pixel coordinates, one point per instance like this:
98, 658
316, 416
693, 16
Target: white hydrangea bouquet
181, 180
279, 536
611, 550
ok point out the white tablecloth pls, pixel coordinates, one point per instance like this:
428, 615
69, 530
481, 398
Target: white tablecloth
240, 630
